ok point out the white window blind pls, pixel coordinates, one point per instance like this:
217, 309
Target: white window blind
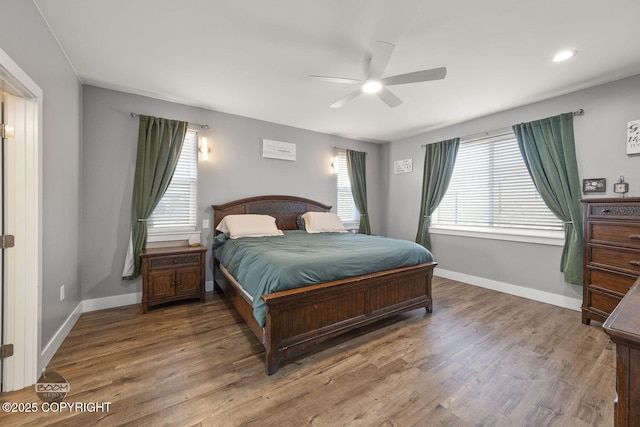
491, 188
177, 209
346, 207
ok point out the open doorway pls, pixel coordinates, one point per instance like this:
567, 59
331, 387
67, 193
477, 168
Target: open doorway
21, 226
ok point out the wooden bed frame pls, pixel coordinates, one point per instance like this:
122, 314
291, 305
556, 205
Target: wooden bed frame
300, 318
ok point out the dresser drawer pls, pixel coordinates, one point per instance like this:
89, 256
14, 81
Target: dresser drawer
619, 210
622, 258
174, 261
610, 280
615, 233
603, 302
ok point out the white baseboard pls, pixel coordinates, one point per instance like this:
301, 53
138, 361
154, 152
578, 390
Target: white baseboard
111, 302
520, 291
122, 300
54, 344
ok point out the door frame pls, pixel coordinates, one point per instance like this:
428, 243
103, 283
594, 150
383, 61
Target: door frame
23, 307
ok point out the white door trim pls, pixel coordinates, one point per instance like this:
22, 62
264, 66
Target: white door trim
23, 300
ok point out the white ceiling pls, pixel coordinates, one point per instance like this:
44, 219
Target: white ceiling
254, 57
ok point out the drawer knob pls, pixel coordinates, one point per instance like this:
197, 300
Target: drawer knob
635, 236
175, 260
635, 263
606, 211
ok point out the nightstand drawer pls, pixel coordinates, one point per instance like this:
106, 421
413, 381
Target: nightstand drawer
615, 233
174, 261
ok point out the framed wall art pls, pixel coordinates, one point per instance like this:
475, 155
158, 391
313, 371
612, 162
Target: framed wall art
403, 166
278, 150
633, 137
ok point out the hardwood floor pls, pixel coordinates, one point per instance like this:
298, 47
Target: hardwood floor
482, 358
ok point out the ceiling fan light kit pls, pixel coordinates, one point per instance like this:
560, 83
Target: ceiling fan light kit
371, 86
374, 83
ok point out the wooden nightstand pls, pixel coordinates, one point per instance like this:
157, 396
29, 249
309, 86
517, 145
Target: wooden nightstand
172, 274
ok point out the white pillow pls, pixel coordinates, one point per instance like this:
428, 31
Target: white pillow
249, 225
323, 222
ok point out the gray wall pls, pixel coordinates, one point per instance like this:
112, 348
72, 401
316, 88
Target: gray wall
601, 153
235, 170
26, 38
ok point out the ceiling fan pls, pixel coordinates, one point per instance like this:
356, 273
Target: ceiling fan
374, 83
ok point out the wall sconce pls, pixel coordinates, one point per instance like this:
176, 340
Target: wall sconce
334, 165
204, 149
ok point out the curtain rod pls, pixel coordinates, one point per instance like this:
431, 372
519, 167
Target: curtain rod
498, 132
344, 149
134, 115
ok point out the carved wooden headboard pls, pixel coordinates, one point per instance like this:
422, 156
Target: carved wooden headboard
285, 209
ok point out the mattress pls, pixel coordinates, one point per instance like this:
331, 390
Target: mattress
264, 265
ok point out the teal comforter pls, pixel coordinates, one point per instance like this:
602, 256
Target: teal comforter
264, 265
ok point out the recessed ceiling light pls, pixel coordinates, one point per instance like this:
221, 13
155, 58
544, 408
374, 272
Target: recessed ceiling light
564, 55
372, 86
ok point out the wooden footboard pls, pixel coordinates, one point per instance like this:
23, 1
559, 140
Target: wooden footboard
299, 319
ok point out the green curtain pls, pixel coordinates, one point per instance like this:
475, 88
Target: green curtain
356, 167
159, 144
548, 149
439, 160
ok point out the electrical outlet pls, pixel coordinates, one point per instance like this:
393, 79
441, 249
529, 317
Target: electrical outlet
62, 293
205, 223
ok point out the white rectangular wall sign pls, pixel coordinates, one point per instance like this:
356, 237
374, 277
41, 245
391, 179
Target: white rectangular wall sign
403, 166
278, 150
633, 137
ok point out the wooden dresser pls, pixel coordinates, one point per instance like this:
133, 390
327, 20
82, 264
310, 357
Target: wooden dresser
623, 326
171, 274
611, 254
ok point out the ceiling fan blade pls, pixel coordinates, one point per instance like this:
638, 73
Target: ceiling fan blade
389, 98
415, 77
382, 52
342, 101
366, 65
337, 79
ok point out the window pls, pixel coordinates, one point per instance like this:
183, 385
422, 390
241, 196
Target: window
346, 206
177, 209
491, 190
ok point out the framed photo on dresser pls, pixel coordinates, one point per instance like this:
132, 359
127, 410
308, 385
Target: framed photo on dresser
594, 185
